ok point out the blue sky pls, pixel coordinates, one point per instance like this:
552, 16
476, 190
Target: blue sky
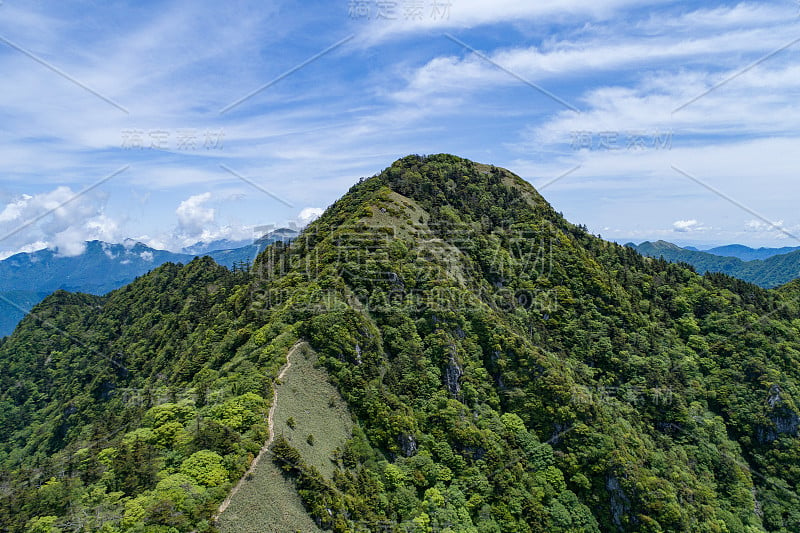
173, 122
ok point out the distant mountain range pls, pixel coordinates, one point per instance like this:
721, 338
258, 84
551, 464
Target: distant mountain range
745, 253
221, 244
27, 278
770, 267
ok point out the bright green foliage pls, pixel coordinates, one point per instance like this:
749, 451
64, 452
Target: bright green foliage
43, 524
241, 412
104, 399
205, 467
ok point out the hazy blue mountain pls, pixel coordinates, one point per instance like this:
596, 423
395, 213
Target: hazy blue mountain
745, 253
27, 278
14, 305
198, 248
247, 254
701, 261
771, 272
281, 234
220, 244
101, 268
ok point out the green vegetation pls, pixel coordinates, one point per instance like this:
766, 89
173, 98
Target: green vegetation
506, 371
138, 408
27, 278
13, 307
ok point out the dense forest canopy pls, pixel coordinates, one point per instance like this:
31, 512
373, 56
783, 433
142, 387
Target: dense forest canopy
506, 371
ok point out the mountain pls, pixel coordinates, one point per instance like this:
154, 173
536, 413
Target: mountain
745, 253
101, 268
702, 261
771, 272
247, 254
207, 248
284, 235
26, 278
201, 248
14, 305
493, 367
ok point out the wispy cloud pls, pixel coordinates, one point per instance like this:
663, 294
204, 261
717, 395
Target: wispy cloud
446, 15
399, 86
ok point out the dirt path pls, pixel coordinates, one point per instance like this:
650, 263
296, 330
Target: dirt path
270, 424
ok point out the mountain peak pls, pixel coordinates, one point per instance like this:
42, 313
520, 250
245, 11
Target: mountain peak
466, 327
455, 190
467, 185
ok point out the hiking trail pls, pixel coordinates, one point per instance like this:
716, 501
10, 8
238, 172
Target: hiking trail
270, 424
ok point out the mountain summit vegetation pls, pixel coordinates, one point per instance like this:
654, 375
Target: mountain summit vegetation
505, 370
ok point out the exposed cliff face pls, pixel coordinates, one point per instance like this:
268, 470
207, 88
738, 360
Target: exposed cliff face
453, 373
783, 419
619, 502
408, 445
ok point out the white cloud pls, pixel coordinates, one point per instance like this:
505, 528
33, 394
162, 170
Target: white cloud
308, 215
158, 242
108, 251
69, 243
756, 225
758, 104
464, 14
626, 64
103, 228
197, 222
685, 225
599, 50
60, 219
147, 256
776, 230
193, 215
13, 210
216, 233
28, 248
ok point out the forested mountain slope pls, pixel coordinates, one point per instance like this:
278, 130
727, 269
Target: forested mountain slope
506, 370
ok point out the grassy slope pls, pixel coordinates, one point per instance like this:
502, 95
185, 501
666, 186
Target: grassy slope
317, 409
268, 501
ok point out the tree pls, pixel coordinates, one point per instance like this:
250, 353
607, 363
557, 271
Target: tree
206, 468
